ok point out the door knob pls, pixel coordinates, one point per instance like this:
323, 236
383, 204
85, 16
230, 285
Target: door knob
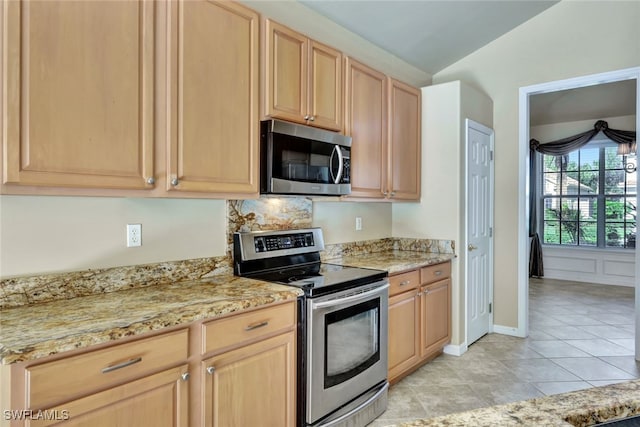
472, 247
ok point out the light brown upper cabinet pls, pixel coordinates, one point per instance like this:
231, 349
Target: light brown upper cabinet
78, 93
383, 118
302, 79
213, 127
403, 181
366, 123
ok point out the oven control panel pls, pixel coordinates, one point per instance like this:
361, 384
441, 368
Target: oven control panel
280, 242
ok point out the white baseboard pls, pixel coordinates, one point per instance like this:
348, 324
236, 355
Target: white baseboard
455, 350
507, 330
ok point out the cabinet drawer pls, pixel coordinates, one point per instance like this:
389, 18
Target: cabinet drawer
241, 328
403, 282
68, 378
433, 273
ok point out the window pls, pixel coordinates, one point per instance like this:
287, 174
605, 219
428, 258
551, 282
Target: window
588, 199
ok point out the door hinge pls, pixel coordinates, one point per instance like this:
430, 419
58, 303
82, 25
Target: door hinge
490, 231
490, 307
491, 155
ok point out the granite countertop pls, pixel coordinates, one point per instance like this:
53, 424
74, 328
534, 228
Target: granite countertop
33, 331
394, 261
39, 330
577, 408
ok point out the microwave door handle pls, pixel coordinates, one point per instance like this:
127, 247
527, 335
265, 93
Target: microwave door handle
336, 150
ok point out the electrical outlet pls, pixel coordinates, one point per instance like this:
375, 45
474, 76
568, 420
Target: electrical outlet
358, 223
134, 235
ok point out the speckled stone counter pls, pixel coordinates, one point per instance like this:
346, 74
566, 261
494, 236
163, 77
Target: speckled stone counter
38, 330
578, 408
393, 261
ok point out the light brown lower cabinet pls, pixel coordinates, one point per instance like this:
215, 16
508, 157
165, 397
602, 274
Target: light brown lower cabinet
253, 385
248, 368
436, 317
237, 370
159, 400
419, 317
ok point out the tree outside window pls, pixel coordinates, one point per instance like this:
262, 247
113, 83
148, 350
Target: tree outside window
588, 200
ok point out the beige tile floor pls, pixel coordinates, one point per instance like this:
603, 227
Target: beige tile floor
580, 336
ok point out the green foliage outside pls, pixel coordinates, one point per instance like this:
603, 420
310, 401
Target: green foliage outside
567, 224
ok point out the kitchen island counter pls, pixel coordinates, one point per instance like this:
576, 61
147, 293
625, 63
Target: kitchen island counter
38, 330
393, 261
578, 408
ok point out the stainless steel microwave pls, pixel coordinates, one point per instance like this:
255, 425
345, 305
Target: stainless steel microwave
298, 159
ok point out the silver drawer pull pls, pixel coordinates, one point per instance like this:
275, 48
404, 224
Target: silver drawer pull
121, 365
404, 283
211, 370
438, 273
256, 325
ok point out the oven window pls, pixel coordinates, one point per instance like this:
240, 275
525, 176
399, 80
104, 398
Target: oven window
352, 341
304, 160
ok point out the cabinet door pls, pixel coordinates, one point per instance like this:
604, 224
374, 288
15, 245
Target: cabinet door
404, 141
366, 123
436, 317
285, 73
79, 93
159, 400
253, 385
214, 147
325, 87
404, 320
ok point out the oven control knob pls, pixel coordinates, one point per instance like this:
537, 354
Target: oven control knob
259, 245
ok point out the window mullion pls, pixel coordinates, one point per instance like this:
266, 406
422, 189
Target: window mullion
601, 199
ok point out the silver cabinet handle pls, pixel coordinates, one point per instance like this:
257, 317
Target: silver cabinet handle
256, 325
438, 273
175, 182
385, 193
393, 193
312, 118
185, 376
151, 180
426, 292
307, 117
472, 247
121, 365
404, 283
211, 370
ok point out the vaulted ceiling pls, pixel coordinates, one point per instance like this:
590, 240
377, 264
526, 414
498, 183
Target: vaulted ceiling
433, 34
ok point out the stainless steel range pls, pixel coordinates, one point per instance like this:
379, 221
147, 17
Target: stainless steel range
342, 334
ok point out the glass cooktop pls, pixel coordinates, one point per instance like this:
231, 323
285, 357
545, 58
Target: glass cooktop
320, 278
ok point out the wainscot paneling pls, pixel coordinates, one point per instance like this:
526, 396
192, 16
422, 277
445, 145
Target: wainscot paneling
608, 267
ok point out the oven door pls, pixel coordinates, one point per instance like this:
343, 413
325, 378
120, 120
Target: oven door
346, 347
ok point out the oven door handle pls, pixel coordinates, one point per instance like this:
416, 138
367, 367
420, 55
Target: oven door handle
350, 299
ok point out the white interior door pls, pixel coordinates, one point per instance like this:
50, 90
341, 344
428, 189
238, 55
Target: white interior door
479, 235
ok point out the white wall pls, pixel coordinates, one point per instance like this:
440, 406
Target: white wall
338, 220
440, 213
570, 39
57, 234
